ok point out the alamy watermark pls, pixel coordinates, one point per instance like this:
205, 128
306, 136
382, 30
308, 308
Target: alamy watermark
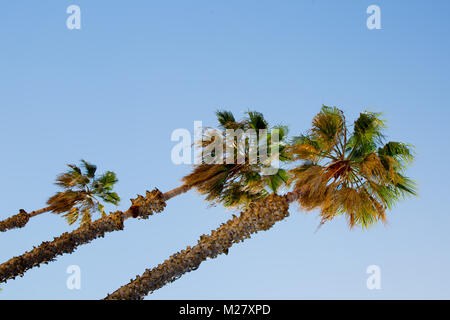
374, 20
74, 280
373, 282
74, 20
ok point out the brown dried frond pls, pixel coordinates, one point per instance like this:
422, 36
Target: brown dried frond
202, 173
380, 209
390, 165
312, 185
304, 152
65, 200
372, 168
350, 200
72, 216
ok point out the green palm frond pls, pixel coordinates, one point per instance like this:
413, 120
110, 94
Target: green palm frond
406, 186
236, 196
110, 197
257, 121
225, 118
75, 168
90, 168
401, 152
368, 128
105, 182
276, 181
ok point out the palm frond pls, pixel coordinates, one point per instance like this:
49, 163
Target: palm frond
110, 197
368, 128
82, 191
90, 168
327, 125
72, 216
352, 174
105, 182
86, 216
226, 119
257, 121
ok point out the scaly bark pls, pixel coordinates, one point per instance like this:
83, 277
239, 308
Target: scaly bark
141, 207
66, 243
21, 219
261, 215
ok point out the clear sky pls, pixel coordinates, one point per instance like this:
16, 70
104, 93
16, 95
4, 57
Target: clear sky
113, 92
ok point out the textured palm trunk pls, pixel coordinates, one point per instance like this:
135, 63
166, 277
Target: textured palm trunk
66, 243
21, 219
142, 207
260, 216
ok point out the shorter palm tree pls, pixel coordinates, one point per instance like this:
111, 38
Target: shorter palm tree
82, 195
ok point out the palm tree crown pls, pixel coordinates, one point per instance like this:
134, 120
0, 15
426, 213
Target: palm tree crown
82, 192
237, 184
355, 173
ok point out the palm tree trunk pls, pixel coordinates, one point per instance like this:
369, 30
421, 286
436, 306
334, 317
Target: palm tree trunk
261, 215
21, 219
66, 243
142, 207
176, 192
40, 211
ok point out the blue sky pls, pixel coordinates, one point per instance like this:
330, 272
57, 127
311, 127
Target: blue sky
113, 92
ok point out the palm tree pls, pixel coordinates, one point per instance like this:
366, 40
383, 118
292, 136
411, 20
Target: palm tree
355, 175
233, 185
81, 197
230, 193
239, 183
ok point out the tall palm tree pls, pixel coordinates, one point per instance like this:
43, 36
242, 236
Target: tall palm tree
155, 201
357, 175
82, 195
338, 172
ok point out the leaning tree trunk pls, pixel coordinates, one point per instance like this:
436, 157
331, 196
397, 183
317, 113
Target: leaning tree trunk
177, 191
21, 219
261, 215
141, 207
66, 243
